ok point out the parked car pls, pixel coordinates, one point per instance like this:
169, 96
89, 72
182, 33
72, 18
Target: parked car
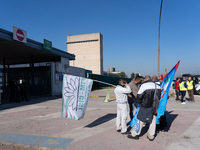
198, 80
197, 89
173, 84
186, 76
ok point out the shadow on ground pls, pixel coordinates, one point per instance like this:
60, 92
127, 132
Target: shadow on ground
187, 99
32, 100
101, 120
169, 118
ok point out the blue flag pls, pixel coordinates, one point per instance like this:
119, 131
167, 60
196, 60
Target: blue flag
136, 122
137, 126
165, 86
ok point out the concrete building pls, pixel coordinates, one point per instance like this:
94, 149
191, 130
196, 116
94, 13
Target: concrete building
88, 49
113, 74
111, 69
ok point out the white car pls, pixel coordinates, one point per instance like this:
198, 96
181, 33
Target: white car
197, 89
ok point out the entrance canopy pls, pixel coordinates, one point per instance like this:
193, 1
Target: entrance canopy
14, 52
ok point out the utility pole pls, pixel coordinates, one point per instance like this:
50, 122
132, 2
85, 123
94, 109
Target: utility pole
159, 39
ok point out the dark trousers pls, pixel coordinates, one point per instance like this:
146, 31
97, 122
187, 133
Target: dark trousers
12, 95
182, 95
163, 123
191, 95
130, 102
177, 94
23, 94
17, 96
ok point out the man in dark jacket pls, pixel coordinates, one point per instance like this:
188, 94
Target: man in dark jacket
17, 90
23, 90
145, 97
12, 90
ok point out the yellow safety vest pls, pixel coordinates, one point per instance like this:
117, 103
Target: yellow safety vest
182, 87
190, 85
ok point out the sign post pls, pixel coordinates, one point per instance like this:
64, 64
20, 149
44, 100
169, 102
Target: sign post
47, 45
19, 35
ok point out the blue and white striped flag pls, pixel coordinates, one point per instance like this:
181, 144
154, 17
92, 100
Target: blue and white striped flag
136, 122
165, 87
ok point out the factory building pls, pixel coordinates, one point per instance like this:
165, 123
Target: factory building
88, 49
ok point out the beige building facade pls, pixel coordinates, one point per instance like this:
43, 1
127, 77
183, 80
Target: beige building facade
88, 49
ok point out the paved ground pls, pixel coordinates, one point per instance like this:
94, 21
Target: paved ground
37, 125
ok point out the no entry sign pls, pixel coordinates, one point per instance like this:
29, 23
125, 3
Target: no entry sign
19, 35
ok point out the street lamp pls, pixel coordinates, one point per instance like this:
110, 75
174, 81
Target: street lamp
159, 39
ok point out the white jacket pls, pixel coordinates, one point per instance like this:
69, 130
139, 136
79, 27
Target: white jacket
121, 93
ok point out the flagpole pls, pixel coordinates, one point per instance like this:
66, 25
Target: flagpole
104, 83
159, 39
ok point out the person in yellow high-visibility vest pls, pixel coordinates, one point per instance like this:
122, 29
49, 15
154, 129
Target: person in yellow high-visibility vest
183, 89
190, 88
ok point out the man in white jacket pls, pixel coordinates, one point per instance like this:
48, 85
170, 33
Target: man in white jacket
121, 92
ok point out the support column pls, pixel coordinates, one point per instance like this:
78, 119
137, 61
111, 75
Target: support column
4, 75
33, 82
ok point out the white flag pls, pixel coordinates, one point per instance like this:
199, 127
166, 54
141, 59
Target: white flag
75, 95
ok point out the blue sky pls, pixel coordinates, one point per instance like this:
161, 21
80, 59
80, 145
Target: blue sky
129, 29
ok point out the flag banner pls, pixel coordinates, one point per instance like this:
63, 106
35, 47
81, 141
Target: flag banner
161, 77
165, 87
165, 73
136, 122
137, 126
75, 95
107, 96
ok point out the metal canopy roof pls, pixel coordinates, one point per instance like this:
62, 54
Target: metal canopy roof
16, 52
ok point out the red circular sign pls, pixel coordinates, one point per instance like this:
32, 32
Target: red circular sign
20, 35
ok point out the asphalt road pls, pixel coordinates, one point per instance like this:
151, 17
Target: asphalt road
37, 125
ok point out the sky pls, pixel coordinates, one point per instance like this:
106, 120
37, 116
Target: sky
129, 29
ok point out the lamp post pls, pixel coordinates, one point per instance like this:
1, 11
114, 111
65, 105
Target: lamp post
159, 39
